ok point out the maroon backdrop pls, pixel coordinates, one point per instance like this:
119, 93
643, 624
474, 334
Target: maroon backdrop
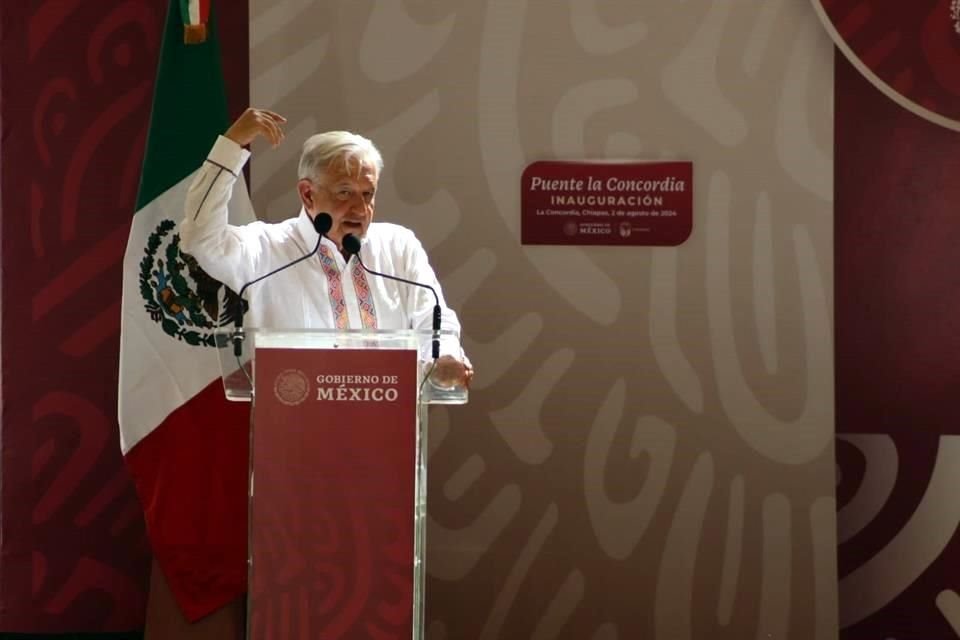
897, 289
75, 90
912, 47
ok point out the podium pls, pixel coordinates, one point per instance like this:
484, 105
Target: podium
337, 500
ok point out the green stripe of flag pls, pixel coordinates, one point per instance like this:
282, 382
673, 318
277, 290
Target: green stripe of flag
189, 108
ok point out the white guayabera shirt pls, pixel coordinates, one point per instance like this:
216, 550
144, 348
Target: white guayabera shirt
322, 292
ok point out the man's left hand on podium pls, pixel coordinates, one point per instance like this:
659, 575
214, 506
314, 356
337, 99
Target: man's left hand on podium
450, 372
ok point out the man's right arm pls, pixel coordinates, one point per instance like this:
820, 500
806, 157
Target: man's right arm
228, 253
205, 232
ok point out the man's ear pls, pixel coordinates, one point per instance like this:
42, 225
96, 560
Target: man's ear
305, 189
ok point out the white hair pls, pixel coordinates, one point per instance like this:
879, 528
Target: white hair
347, 151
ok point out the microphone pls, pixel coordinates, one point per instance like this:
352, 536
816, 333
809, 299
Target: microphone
351, 246
321, 224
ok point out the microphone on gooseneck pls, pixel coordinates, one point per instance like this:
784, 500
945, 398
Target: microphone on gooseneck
351, 245
321, 224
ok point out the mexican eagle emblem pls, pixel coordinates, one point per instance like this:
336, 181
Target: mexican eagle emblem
187, 303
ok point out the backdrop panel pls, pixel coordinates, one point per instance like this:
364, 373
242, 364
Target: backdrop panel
898, 336
77, 79
648, 450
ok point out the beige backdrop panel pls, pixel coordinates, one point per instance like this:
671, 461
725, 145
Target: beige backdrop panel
648, 451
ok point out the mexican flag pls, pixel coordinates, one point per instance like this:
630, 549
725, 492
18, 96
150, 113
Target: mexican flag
185, 445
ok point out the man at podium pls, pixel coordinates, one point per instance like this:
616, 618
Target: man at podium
331, 289
337, 176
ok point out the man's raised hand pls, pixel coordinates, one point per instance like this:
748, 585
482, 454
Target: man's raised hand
257, 122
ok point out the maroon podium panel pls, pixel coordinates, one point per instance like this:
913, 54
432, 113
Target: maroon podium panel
332, 507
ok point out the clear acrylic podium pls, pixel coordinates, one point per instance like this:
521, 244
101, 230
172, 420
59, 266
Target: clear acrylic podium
337, 502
